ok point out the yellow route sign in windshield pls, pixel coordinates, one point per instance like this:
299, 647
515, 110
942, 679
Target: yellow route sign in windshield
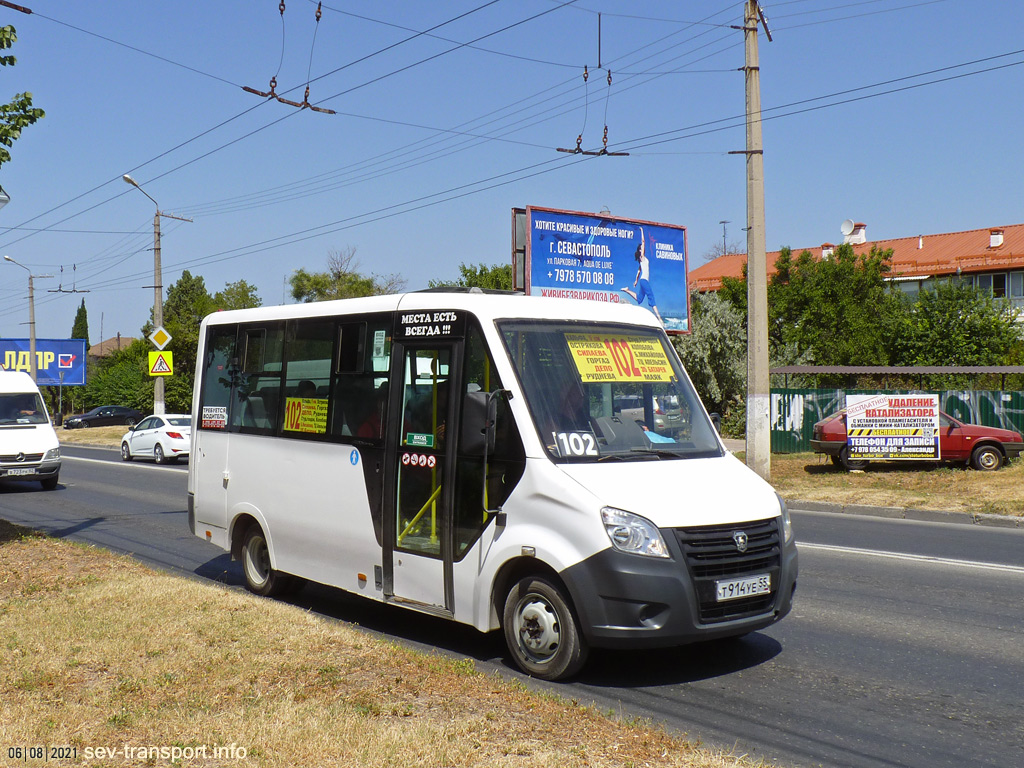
612, 357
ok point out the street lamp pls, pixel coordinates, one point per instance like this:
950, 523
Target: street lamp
31, 315
158, 287
4, 198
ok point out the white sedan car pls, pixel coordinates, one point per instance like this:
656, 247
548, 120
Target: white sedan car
161, 438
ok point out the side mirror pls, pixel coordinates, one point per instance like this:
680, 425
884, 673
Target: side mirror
716, 420
479, 413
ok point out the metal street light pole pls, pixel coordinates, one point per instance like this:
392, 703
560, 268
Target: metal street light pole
31, 316
158, 287
724, 246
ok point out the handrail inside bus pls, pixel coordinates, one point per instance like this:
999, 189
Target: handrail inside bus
416, 519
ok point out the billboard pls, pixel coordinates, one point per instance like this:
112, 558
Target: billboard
58, 361
591, 257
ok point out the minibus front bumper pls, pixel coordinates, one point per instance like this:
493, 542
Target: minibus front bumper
40, 470
632, 601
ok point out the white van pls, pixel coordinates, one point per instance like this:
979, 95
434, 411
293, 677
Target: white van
460, 454
29, 449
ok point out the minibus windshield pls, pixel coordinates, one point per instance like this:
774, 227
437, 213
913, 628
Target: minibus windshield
607, 392
22, 408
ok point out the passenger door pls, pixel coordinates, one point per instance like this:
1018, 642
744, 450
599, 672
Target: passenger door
419, 486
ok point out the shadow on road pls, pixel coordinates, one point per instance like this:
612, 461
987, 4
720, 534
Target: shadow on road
605, 669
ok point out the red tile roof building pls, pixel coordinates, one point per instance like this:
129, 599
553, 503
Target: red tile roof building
992, 259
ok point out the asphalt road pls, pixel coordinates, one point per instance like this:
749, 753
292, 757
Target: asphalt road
904, 647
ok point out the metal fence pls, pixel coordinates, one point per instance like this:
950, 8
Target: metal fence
794, 411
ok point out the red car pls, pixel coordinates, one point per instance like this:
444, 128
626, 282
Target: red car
984, 448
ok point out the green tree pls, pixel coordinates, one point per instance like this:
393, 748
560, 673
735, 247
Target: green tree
832, 307
955, 324
495, 277
19, 112
715, 352
80, 328
122, 379
341, 280
237, 295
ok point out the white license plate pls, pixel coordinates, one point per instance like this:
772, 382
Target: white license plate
21, 471
733, 589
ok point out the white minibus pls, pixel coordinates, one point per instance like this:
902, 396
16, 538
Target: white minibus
467, 454
29, 449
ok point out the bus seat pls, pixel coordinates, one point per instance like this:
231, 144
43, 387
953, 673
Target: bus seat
254, 412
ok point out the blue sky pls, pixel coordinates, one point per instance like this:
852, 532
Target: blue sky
439, 135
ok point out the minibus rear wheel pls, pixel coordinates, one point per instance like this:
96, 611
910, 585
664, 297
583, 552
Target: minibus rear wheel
260, 578
541, 630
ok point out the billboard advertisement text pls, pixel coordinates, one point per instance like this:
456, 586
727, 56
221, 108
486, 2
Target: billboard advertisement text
58, 361
621, 261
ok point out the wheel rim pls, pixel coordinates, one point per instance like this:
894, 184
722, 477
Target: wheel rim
537, 628
159, 453
987, 459
125, 453
257, 561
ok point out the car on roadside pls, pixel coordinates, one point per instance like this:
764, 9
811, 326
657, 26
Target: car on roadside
104, 416
165, 439
984, 448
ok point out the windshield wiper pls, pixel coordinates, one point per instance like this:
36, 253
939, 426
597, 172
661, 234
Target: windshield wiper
659, 452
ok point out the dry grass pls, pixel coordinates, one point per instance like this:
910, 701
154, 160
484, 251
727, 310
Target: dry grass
917, 485
105, 436
100, 651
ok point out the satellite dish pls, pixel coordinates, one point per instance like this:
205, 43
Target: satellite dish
846, 227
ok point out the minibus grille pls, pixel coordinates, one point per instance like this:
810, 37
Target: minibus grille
712, 555
13, 458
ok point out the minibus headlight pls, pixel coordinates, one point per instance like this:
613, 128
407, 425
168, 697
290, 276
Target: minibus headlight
787, 525
53, 453
632, 533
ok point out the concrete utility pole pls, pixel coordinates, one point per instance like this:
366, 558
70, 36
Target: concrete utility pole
758, 384
33, 372
158, 287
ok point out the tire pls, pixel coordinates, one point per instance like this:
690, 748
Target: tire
541, 630
160, 457
260, 578
126, 452
986, 458
49, 483
850, 464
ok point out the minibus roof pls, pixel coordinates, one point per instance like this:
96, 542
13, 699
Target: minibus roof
13, 382
489, 305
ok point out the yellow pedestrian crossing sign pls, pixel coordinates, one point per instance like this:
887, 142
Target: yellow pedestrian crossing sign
161, 364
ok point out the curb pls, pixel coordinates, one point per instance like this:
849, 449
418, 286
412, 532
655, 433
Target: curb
908, 513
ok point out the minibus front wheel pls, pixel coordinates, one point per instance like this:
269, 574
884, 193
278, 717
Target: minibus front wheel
541, 630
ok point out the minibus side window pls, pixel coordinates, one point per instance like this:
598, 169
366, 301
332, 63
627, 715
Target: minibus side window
359, 409
307, 382
257, 393
220, 372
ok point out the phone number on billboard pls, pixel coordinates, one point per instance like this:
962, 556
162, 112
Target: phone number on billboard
584, 277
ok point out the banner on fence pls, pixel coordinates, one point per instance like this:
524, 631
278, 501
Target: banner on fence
892, 427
